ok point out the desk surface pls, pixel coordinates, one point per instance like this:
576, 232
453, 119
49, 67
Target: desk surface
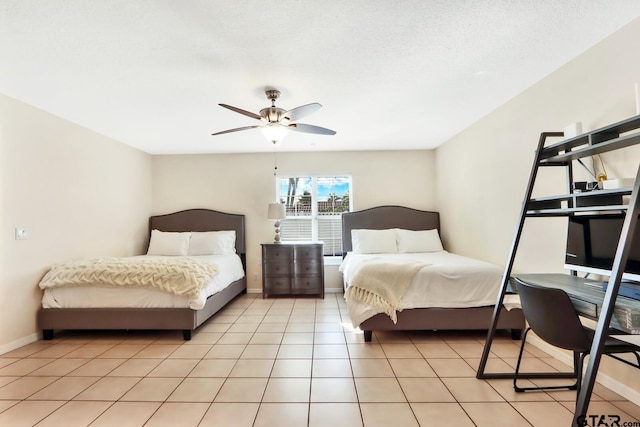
587, 296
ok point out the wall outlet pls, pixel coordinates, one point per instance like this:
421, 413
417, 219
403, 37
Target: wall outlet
21, 234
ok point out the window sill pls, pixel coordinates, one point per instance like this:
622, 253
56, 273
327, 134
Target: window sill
332, 260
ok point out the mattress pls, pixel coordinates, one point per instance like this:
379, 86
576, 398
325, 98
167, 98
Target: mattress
229, 270
449, 281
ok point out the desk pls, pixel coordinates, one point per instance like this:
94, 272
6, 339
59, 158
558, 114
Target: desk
587, 296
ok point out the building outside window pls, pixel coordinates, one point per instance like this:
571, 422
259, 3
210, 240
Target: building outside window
313, 208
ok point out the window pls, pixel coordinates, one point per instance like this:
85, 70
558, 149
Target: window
313, 208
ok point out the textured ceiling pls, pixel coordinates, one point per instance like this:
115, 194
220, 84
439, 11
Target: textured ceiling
390, 75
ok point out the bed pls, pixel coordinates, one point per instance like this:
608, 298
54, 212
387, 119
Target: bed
156, 310
450, 316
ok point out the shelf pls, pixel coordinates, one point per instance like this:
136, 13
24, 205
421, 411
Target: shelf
588, 201
591, 150
569, 211
599, 141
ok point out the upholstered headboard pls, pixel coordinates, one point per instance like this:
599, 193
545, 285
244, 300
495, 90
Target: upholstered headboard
201, 220
383, 217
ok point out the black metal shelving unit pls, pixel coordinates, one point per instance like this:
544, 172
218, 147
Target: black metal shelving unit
561, 154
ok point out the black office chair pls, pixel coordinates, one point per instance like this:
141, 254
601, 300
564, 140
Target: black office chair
551, 315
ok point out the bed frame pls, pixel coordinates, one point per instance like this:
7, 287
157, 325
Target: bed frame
473, 318
185, 319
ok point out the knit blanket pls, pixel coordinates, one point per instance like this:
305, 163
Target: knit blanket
382, 284
177, 275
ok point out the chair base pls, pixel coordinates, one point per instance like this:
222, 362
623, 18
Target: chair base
577, 364
573, 386
611, 348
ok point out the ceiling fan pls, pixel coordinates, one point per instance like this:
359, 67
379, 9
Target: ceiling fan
277, 121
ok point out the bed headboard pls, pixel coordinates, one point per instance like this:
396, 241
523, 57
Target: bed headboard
383, 217
201, 220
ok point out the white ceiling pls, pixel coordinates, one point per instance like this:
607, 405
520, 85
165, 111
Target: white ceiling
390, 75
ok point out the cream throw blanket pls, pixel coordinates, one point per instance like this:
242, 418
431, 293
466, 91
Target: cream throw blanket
177, 275
381, 284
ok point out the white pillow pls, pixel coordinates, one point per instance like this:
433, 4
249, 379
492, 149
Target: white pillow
213, 243
169, 243
418, 241
365, 241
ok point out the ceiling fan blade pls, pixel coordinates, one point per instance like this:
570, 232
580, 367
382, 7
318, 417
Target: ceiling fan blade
301, 127
241, 111
301, 111
236, 129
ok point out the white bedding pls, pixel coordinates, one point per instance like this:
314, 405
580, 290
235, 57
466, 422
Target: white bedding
450, 281
229, 270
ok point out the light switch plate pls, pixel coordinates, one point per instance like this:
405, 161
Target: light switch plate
21, 234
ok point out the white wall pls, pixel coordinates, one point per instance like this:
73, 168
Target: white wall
482, 173
77, 193
245, 184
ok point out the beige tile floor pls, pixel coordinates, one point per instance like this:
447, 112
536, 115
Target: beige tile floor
278, 362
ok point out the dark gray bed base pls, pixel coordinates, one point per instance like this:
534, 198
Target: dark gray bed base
449, 319
185, 319
472, 318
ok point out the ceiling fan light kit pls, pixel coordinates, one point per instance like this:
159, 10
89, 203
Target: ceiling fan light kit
274, 132
277, 121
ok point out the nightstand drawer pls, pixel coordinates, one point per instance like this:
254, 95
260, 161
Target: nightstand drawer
277, 285
308, 252
307, 267
277, 268
308, 285
280, 253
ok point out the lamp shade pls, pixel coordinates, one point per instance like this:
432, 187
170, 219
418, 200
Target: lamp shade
276, 211
274, 132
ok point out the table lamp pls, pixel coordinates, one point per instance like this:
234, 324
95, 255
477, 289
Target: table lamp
277, 212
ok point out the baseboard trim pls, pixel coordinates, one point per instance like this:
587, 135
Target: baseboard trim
19, 343
614, 385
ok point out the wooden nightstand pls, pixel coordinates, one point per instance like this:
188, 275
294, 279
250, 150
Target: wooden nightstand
292, 269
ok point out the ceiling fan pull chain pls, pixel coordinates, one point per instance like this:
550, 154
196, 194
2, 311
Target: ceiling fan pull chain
275, 161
